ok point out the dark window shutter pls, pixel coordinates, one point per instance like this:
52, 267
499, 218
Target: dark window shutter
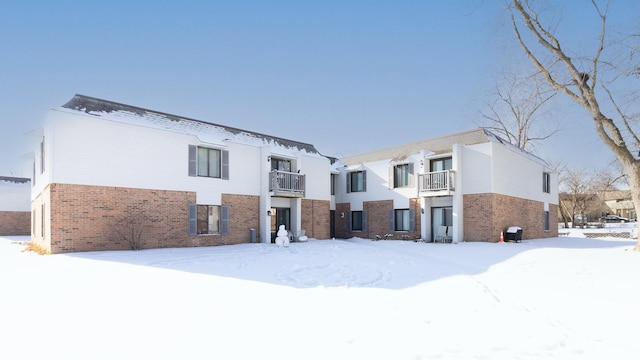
349, 182
364, 220
364, 180
412, 220
193, 165
392, 220
225, 164
193, 219
348, 220
224, 220
392, 180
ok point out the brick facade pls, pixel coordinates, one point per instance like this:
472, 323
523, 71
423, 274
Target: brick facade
244, 213
15, 223
315, 218
486, 215
86, 218
378, 220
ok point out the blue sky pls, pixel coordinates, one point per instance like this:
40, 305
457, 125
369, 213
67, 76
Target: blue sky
346, 76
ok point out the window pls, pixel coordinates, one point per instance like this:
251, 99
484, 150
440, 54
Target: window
403, 175
546, 182
281, 165
441, 164
402, 220
357, 181
208, 219
545, 220
356, 221
206, 162
209, 162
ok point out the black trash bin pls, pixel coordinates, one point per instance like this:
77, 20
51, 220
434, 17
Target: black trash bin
513, 233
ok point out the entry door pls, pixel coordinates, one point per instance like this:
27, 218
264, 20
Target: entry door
441, 216
279, 216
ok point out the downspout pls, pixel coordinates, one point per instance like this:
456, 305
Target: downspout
458, 204
265, 197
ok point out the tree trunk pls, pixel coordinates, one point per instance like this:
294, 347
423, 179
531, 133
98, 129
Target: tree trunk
579, 90
631, 166
633, 174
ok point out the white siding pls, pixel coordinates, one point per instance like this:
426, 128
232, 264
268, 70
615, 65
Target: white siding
494, 168
476, 169
378, 187
96, 151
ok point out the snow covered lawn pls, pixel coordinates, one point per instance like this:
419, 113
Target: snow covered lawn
560, 298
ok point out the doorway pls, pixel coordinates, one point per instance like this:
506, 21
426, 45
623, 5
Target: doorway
441, 217
279, 216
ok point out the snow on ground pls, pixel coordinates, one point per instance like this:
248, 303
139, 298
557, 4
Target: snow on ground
559, 298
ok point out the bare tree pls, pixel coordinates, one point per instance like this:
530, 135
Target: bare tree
131, 228
579, 78
516, 109
582, 194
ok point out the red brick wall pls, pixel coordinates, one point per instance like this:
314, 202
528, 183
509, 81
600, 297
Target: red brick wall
486, 215
85, 218
244, 213
15, 223
377, 220
315, 218
40, 221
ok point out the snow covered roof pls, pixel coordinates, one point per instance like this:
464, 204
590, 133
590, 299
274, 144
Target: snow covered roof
206, 131
440, 145
435, 146
15, 180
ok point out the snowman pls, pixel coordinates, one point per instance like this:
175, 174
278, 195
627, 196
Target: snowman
282, 238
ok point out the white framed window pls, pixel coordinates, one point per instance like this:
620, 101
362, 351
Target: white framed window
208, 162
402, 175
402, 220
357, 223
357, 181
208, 219
441, 164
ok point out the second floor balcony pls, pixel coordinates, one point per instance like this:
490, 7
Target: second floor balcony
287, 184
436, 183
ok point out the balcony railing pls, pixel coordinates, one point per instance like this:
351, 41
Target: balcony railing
288, 184
436, 183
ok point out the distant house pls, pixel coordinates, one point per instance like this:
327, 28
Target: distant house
107, 173
619, 202
15, 209
469, 186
